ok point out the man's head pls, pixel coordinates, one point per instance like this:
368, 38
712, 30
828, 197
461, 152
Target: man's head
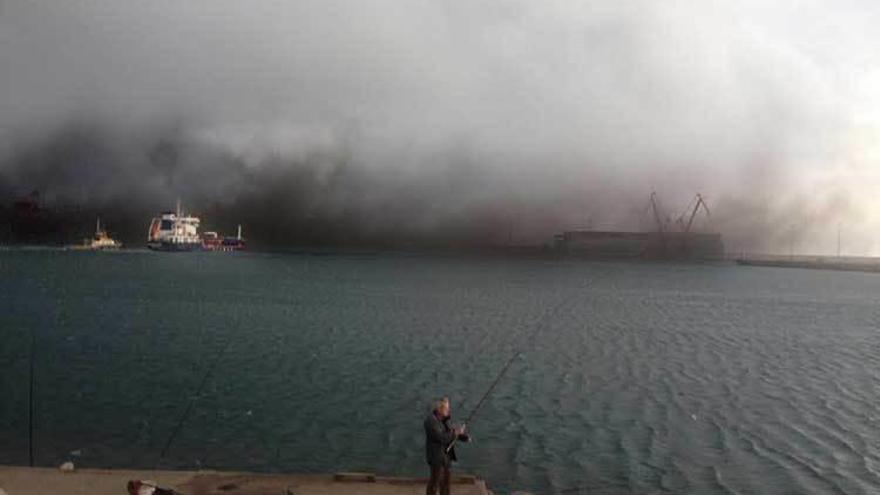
441, 407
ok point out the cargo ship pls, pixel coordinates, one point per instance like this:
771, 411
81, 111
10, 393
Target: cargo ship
177, 231
641, 245
174, 231
670, 241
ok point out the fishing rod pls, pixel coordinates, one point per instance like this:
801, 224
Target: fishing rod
31, 399
517, 352
192, 401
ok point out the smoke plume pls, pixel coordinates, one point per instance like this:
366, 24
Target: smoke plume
446, 123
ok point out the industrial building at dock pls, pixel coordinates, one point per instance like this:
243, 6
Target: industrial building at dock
671, 239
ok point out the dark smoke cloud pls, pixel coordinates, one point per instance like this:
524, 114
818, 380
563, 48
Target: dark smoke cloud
454, 123
83, 169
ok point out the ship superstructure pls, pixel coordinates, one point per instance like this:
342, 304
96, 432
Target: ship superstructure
101, 240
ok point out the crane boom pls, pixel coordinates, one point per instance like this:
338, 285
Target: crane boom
659, 221
697, 205
656, 212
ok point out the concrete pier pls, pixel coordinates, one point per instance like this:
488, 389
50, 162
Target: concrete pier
52, 481
851, 264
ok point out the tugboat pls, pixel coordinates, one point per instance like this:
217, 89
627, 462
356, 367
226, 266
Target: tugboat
174, 231
100, 242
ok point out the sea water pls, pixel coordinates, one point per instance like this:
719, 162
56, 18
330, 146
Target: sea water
633, 377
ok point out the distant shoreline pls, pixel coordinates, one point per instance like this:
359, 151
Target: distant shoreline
489, 252
868, 265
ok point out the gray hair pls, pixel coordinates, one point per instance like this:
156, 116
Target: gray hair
436, 403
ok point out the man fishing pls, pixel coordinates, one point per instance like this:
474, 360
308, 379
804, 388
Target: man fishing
439, 449
440, 438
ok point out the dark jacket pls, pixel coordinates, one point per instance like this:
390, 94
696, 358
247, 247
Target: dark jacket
438, 436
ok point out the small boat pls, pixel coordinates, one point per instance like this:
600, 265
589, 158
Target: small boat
100, 242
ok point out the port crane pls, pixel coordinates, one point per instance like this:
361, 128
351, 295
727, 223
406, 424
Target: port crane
667, 228
699, 201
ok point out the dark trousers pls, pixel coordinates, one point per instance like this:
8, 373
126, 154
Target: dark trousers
439, 479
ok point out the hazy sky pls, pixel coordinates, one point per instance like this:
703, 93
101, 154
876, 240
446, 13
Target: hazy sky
528, 116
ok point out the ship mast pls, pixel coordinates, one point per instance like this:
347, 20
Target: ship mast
177, 229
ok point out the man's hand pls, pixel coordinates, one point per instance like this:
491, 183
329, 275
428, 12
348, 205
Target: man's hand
459, 430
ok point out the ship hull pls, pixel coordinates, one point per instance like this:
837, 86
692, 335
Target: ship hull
175, 246
641, 245
79, 247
